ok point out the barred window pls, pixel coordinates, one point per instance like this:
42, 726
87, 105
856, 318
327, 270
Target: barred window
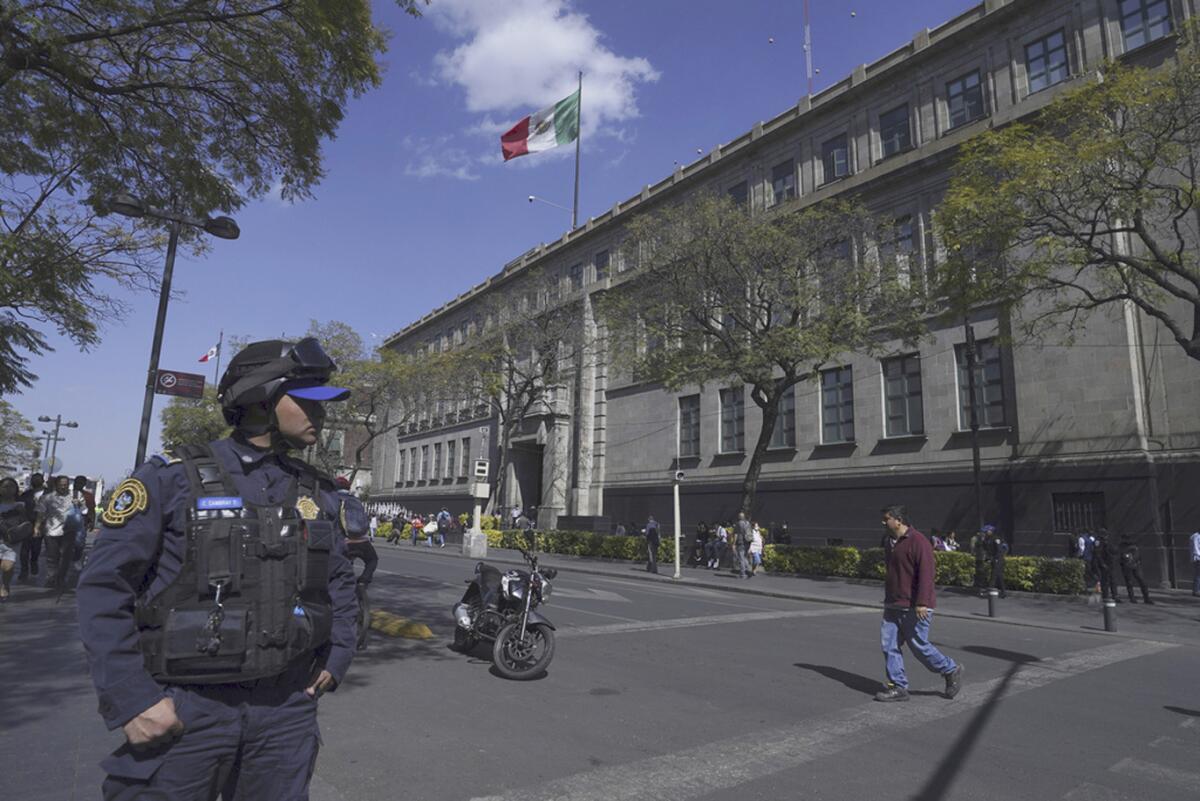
902, 396
837, 405
465, 468
689, 426
1078, 511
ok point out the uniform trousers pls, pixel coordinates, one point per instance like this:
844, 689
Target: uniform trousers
255, 741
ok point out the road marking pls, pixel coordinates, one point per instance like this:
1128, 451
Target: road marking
726, 764
705, 620
589, 594
1181, 779
558, 606
1187, 723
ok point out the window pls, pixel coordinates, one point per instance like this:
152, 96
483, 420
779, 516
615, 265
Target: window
689, 426
902, 396
837, 405
964, 99
335, 443
576, 276
898, 252
1078, 511
783, 182
424, 474
1143, 21
437, 462
740, 194
412, 464
835, 155
450, 462
733, 420
893, 131
464, 330
989, 386
1046, 61
784, 435
400, 466
601, 263
465, 468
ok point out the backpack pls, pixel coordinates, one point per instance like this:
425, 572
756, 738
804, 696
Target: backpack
15, 526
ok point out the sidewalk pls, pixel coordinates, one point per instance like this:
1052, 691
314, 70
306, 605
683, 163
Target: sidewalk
1174, 617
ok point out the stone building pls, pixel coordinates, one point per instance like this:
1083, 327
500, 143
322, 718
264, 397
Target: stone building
1101, 432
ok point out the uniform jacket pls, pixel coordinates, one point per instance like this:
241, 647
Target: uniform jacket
144, 554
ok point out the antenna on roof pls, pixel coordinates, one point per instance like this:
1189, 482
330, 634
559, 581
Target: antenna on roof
808, 50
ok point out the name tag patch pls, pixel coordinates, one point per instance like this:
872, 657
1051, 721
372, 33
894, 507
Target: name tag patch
218, 503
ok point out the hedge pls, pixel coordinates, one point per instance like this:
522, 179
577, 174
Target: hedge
954, 568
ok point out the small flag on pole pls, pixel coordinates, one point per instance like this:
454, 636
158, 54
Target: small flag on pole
552, 126
212, 353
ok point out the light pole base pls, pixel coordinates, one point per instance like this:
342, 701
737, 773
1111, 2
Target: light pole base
475, 544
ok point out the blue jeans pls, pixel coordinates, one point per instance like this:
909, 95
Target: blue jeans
902, 626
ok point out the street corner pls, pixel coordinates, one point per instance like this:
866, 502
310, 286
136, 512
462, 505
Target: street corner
393, 625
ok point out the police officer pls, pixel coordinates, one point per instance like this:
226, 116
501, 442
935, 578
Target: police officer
218, 603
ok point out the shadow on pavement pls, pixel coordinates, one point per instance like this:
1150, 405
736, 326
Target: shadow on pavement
939, 783
852, 681
1192, 713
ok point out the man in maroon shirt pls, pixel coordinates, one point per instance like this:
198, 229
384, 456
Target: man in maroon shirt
908, 603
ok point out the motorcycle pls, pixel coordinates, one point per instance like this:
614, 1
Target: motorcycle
501, 608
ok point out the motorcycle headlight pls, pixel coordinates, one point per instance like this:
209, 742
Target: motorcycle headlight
512, 587
547, 587
462, 616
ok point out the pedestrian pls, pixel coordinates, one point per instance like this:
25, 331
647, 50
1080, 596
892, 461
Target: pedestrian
756, 549
1131, 567
653, 540
417, 525
715, 548
979, 550
14, 529
431, 530
951, 541
53, 509
31, 548
997, 550
1195, 541
397, 531
908, 604
1086, 547
209, 702
1104, 558
373, 525
741, 541
443, 521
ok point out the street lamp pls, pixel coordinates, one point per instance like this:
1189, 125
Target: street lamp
53, 437
221, 227
547, 202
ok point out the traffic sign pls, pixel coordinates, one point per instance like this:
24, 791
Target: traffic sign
48, 467
173, 382
481, 469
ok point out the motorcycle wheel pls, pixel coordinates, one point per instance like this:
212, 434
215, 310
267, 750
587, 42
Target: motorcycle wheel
522, 659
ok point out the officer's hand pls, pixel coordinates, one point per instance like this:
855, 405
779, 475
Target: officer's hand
156, 724
324, 682
922, 612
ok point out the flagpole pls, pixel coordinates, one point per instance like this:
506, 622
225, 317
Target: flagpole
578, 137
217, 366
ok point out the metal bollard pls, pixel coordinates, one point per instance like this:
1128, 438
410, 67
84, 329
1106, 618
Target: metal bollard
1110, 615
993, 596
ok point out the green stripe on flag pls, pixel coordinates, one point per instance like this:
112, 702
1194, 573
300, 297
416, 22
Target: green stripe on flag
566, 119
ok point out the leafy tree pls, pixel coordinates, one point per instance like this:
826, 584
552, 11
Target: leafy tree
192, 421
17, 443
200, 105
1092, 205
528, 338
764, 300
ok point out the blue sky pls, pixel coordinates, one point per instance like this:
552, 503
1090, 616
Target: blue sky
417, 205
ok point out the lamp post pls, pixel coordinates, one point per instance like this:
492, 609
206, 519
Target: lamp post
532, 198
52, 438
222, 227
975, 470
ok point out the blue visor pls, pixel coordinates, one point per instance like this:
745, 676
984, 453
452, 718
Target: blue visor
319, 392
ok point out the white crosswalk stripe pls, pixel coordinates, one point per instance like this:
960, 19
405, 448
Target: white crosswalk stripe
1160, 774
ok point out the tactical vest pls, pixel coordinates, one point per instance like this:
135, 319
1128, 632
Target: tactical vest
252, 592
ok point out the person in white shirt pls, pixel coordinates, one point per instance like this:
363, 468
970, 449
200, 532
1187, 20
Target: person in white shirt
52, 511
756, 548
715, 547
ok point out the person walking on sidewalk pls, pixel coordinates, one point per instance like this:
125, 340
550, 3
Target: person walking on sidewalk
756, 549
1196, 563
653, 540
1131, 567
908, 604
979, 549
741, 541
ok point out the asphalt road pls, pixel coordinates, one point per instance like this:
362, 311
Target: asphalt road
659, 691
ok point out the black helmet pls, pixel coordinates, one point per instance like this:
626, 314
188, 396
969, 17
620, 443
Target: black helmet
259, 371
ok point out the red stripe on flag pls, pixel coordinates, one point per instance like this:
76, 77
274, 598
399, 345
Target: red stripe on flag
516, 141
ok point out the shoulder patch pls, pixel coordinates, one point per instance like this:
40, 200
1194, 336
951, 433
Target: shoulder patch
128, 499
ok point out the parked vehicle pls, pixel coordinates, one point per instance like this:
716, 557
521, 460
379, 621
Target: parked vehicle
501, 608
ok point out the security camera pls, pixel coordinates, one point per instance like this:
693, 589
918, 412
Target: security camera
679, 474
531, 198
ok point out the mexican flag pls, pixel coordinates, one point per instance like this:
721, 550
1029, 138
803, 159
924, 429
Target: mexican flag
552, 126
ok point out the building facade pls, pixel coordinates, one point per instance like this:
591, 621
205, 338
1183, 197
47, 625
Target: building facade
1100, 431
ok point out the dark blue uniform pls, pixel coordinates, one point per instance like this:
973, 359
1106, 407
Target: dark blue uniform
252, 740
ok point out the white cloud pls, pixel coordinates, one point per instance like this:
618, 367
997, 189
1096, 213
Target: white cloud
522, 55
437, 158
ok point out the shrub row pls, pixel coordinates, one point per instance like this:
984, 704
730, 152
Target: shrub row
954, 569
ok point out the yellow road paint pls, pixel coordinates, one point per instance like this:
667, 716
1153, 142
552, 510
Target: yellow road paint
396, 626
